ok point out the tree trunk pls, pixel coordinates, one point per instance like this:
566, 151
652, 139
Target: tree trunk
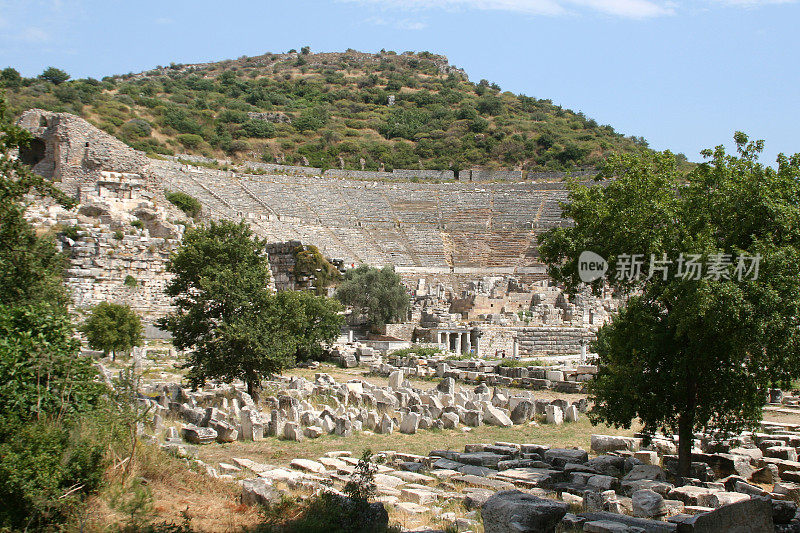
685, 440
686, 429
253, 387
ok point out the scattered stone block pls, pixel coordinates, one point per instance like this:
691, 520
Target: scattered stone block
513, 511
259, 491
602, 444
752, 515
554, 415
496, 417
198, 435
648, 504
308, 465
293, 431
409, 423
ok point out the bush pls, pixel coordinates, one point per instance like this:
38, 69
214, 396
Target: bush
258, 128
44, 471
130, 281
177, 118
378, 295
41, 370
332, 513
422, 351
136, 129
489, 105
10, 78
311, 119
190, 140
405, 123
71, 232
186, 203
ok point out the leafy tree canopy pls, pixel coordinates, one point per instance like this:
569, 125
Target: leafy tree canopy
54, 75
376, 294
226, 315
690, 351
113, 328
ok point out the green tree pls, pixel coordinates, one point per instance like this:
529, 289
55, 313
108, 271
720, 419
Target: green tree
113, 328
47, 390
224, 311
690, 352
311, 119
41, 371
312, 321
9, 77
54, 75
377, 295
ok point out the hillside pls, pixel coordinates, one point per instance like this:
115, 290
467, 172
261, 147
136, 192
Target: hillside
351, 110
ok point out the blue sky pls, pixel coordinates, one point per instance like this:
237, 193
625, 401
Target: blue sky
685, 74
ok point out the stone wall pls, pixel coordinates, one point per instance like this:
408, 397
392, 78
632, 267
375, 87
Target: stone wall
551, 340
73, 152
100, 262
490, 175
403, 331
496, 339
281, 264
533, 340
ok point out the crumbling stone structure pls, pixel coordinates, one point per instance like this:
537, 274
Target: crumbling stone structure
453, 235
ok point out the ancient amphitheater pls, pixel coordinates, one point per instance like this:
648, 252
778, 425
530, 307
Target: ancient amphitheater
455, 235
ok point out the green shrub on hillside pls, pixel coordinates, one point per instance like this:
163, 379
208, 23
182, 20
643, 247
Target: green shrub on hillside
450, 123
186, 203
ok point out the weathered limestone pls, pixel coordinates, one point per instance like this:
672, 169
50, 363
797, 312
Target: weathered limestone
554, 415
259, 491
396, 379
409, 423
514, 511
496, 417
198, 435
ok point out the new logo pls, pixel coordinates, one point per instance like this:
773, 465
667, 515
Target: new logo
591, 266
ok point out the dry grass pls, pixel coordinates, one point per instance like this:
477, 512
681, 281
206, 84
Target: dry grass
212, 505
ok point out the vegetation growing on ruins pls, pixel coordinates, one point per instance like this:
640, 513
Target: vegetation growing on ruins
416, 349
328, 512
113, 328
376, 295
185, 202
226, 315
690, 351
329, 109
311, 264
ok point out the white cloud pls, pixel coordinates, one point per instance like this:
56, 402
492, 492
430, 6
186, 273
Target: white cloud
752, 3
622, 8
628, 8
403, 24
410, 25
